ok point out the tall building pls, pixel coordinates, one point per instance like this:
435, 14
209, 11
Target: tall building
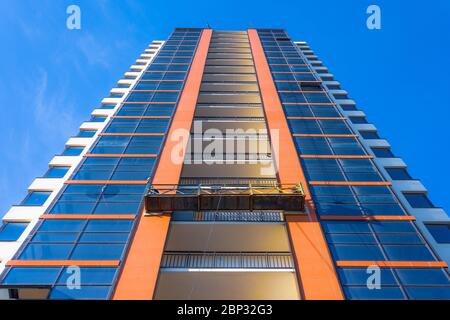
226, 165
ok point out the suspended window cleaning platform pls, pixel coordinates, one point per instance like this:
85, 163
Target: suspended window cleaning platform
161, 198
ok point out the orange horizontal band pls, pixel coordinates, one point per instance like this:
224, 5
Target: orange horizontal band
140, 117
325, 135
316, 118
308, 81
285, 64
57, 263
149, 80
154, 90
147, 102
309, 103
106, 182
171, 71
115, 155
89, 216
156, 134
369, 218
159, 63
301, 91
286, 72
174, 51
394, 264
318, 156
351, 183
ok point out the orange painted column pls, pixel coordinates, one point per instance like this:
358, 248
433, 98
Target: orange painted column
315, 268
141, 267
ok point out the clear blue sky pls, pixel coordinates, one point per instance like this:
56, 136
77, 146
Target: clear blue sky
51, 77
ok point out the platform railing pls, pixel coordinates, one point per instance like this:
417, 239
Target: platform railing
173, 197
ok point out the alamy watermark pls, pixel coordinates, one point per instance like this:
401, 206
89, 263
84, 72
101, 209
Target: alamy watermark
73, 21
373, 21
374, 279
73, 281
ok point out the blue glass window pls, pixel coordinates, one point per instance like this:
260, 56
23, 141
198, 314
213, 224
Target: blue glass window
345, 226
86, 133
56, 172
97, 119
85, 292
104, 237
90, 276
408, 253
11, 231
356, 252
31, 275
72, 151
382, 152
55, 237
98, 251
418, 200
358, 120
36, 198
364, 293
46, 251
429, 293
63, 225
351, 238
369, 134
426, 276
110, 225
359, 276
398, 173
440, 232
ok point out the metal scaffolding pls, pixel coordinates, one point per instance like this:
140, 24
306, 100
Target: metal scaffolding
166, 198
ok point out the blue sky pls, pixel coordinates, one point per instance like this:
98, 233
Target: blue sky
52, 77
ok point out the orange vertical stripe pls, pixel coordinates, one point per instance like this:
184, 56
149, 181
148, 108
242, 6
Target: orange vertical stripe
140, 272
317, 277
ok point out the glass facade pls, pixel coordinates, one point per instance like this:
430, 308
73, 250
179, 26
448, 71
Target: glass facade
90, 223
329, 156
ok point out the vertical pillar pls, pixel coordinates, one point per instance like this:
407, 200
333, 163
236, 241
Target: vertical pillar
315, 268
140, 271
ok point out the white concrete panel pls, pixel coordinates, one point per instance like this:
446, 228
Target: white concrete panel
408, 186
46, 184
91, 125
23, 213
377, 143
78, 142
103, 112
64, 160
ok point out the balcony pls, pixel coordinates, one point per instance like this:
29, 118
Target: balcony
227, 260
166, 198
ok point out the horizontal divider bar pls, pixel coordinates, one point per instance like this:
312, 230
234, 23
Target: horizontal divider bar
301, 91
156, 134
141, 117
106, 182
369, 218
309, 103
350, 183
147, 102
289, 72
89, 216
307, 81
115, 155
57, 263
312, 156
393, 264
335, 135
155, 80
316, 118
154, 90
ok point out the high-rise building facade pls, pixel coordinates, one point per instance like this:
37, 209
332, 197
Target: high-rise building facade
226, 165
